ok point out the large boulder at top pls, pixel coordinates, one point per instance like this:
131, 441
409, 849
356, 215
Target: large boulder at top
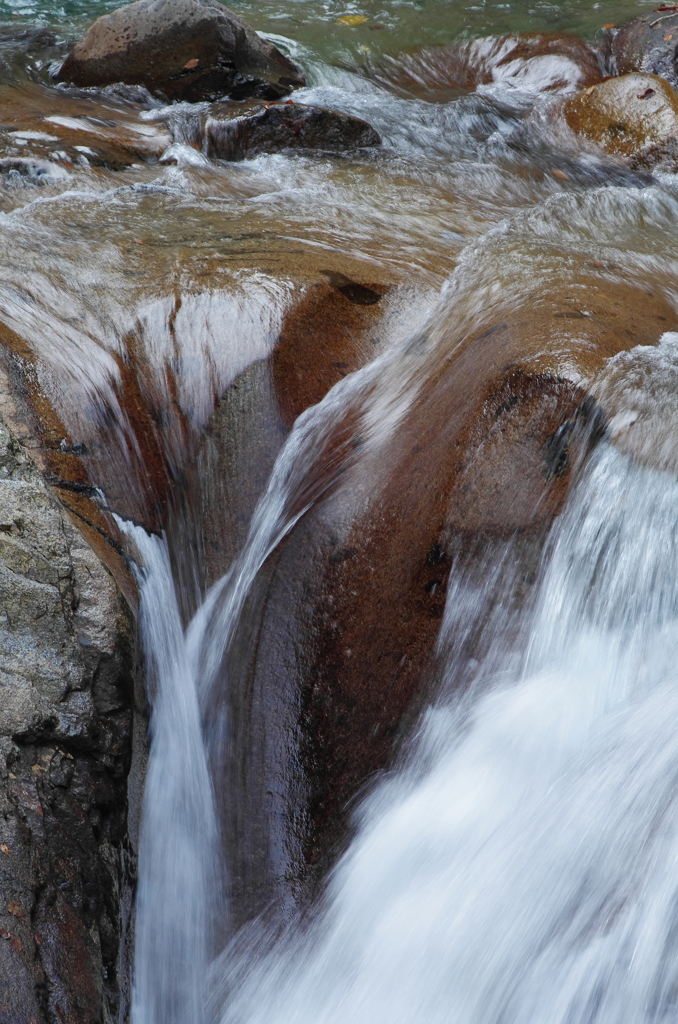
536, 61
281, 126
182, 49
649, 43
634, 116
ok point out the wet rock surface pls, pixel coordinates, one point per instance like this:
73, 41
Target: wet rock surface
340, 629
634, 116
287, 126
181, 49
536, 61
65, 741
649, 44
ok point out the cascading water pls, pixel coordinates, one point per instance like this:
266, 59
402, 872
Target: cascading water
516, 864
529, 873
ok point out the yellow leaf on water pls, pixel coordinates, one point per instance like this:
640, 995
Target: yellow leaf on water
352, 20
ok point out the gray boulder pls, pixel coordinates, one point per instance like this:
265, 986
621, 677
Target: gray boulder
66, 680
183, 50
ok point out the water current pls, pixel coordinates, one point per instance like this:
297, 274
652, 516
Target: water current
517, 863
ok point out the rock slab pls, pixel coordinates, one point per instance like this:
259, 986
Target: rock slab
183, 50
283, 126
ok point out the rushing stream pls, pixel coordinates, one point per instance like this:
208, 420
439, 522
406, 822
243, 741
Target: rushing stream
517, 863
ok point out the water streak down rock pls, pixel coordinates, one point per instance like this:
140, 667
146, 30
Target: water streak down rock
183, 50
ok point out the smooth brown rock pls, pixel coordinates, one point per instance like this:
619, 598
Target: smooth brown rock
540, 61
282, 126
182, 49
338, 636
649, 44
634, 116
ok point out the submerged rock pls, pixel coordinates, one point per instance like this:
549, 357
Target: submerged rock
181, 49
535, 62
634, 116
281, 126
648, 43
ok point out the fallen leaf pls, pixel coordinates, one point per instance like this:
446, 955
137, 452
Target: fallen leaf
668, 37
352, 20
15, 943
610, 24
4, 934
190, 64
644, 95
38, 939
5, 849
36, 769
15, 910
560, 174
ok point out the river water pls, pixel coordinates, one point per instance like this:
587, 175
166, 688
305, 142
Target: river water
518, 863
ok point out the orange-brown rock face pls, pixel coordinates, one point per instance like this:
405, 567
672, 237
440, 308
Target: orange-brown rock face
634, 116
342, 624
542, 62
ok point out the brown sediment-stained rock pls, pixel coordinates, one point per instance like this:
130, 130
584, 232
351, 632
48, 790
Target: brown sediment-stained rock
537, 61
634, 116
340, 629
649, 44
183, 50
282, 126
330, 331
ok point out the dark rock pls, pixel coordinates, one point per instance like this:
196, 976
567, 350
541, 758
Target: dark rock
649, 44
182, 49
281, 126
633, 116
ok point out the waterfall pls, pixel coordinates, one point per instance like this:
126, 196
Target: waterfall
529, 873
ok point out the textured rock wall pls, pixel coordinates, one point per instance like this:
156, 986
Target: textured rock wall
66, 695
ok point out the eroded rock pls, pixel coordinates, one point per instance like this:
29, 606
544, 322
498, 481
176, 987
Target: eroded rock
282, 126
649, 44
634, 116
181, 49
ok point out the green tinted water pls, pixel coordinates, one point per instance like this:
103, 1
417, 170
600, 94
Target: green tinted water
392, 25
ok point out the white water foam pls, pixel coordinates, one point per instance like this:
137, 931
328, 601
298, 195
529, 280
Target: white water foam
530, 875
